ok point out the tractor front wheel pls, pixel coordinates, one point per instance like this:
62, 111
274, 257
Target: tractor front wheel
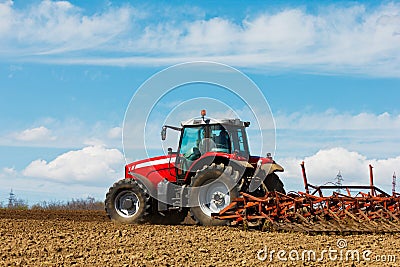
127, 202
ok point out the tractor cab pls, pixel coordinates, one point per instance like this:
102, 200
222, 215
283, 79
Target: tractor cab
203, 140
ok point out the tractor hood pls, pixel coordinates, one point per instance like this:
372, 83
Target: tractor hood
151, 163
153, 169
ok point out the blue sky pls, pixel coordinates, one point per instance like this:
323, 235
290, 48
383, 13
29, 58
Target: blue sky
68, 69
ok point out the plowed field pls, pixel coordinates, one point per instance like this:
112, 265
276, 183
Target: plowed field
88, 238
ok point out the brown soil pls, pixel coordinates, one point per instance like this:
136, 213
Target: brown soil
64, 215
88, 238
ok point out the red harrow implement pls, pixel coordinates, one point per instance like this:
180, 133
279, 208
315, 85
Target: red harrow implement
312, 212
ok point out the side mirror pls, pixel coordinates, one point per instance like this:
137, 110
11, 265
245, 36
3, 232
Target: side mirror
164, 133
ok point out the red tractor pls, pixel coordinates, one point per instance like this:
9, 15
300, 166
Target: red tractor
207, 172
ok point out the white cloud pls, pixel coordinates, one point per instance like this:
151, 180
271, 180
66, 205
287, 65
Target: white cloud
6, 16
74, 174
68, 133
35, 134
351, 39
58, 26
347, 37
7, 172
115, 133
93, 142
90, 165
323, 166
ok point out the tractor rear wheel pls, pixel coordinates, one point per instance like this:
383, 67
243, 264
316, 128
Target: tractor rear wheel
213, 188
127, 202
273, 183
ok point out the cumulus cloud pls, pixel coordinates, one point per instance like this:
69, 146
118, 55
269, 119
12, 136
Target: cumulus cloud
323, 166
92, 164
35, 134
335, 39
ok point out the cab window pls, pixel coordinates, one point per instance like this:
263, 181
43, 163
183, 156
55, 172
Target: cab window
191, 138
239, 142
220, 138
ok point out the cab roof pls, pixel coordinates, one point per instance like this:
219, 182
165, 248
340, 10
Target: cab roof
212, 121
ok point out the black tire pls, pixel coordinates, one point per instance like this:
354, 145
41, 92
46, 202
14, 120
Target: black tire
169, 218
273, 183
212, 178
127, 201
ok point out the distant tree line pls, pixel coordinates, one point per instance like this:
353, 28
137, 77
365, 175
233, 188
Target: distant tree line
89, 203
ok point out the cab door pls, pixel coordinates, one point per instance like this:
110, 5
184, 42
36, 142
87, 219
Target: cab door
188, 150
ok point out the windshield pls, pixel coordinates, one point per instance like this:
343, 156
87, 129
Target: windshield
197, 140
191, 138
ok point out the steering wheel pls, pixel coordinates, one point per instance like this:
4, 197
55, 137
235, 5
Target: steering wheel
192, 154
